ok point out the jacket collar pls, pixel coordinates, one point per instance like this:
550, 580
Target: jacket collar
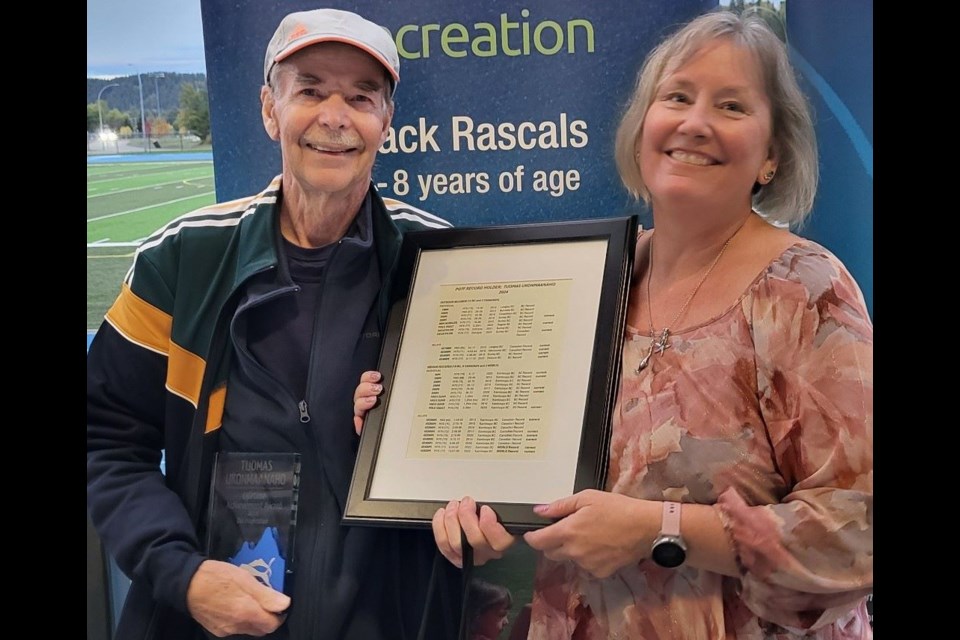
257, 248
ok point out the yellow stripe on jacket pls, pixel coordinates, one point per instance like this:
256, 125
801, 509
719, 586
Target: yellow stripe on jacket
144, 324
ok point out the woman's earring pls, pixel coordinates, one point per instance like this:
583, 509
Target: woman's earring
768, 176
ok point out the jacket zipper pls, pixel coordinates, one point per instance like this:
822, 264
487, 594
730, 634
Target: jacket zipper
310, 621
302, 405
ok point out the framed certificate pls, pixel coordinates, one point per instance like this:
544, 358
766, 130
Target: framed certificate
500, 364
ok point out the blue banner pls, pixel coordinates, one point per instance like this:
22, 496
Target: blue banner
831, 46
506, 111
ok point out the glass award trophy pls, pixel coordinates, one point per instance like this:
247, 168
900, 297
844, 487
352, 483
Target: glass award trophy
253, 514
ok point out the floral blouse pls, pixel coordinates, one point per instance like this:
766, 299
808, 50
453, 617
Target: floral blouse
765, 412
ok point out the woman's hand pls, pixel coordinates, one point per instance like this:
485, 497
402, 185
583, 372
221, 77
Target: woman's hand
488, 538
599, 531
365, 397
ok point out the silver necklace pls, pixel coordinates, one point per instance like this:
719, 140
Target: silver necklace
658, 343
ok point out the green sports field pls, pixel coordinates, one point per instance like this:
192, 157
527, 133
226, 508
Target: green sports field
126, 202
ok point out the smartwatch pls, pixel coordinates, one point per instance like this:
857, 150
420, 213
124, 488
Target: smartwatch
669, 550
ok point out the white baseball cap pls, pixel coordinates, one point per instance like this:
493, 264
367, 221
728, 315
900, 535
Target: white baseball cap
304, 28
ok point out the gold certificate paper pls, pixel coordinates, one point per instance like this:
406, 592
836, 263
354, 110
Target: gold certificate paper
491, 401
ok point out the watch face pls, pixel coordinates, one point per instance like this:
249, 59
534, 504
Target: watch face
668, 554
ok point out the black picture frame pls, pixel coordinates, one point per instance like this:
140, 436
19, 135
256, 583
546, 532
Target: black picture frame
593, 260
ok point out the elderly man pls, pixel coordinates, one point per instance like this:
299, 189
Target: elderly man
243, 327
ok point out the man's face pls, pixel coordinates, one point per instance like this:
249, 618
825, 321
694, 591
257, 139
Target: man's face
328, 109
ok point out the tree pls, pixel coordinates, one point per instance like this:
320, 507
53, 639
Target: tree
160, 127
115, 119
194, 112
112, 118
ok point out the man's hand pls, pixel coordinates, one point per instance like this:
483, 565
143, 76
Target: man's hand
227, 600
365, 397
488, 538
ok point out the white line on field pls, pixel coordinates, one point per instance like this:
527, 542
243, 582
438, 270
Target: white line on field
152, 186
152, 206
100, 243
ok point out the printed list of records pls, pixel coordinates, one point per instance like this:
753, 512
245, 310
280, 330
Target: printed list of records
489, 377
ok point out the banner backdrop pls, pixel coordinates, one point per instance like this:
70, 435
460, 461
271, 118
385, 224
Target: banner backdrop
506, 111
831, 46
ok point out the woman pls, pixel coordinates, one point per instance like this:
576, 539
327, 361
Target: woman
745, 408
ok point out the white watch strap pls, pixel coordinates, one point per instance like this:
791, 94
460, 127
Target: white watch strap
671, 519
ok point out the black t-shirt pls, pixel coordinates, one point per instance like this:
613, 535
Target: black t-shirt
280, 334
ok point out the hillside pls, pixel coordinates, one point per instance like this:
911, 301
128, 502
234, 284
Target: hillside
126, 97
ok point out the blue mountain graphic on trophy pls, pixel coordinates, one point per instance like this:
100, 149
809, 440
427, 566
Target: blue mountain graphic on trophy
263, 560
252, 515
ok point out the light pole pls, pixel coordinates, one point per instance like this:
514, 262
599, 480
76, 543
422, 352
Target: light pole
103, 143
156, 87
143, 118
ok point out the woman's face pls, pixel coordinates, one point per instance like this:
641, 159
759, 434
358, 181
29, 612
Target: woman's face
707, 134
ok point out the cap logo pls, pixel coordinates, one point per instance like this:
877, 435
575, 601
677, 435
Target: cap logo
298, 32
